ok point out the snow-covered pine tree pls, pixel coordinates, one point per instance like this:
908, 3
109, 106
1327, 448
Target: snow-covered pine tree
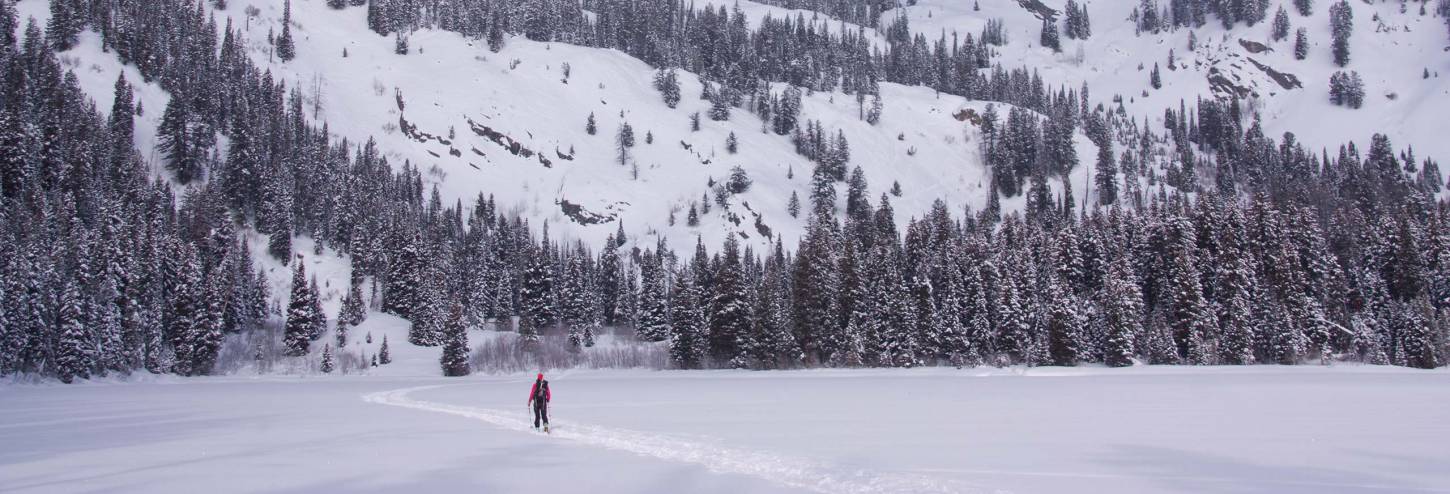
401, 291
1065, 324
667, 82
689, 345
297, 333
1305, 7
623, 141
1341, 23
206, 329
537, 295
1050, 37
286, 50
73, 355
1281, 25
65, 24
1122, 303
328, 362
729, 311
455, 344
383, 356
1301, 44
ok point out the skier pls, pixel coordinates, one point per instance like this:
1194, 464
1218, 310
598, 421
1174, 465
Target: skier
539, 401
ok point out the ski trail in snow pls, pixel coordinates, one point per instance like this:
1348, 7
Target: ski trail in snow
790, 471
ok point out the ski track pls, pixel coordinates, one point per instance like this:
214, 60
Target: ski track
789, 471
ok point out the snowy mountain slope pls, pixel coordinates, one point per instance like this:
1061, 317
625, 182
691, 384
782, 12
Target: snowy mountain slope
1391, 55
454, 109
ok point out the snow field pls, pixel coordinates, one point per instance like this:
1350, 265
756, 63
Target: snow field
1350, 429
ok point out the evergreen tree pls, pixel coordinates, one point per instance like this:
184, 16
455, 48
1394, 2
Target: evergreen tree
286, 50
65, 24
729, 311
455, 347
1122, 304
1281, 25
1065, 324
328, 364
297, 333
383, 356
1050, 37
623, 141
667, 82
1341, 22
1305, 7
73, 357
688, 344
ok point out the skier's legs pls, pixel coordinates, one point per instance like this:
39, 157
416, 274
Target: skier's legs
544, 412
538, 413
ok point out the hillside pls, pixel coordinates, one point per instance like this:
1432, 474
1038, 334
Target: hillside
1392, 49
456, 110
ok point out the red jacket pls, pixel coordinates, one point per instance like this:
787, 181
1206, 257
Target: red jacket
535, 389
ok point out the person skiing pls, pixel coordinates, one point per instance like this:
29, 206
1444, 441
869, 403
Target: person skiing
539, 401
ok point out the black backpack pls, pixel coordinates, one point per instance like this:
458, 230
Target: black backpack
541, 392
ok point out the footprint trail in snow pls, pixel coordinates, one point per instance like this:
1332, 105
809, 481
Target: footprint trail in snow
790, 471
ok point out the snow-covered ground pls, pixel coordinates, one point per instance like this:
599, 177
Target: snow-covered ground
1160, 429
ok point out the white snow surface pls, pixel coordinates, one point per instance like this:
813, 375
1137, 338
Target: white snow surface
1347, 428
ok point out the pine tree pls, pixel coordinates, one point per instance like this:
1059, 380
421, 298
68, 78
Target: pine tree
353, 311
667, 82
405, 276
400, 43
1155, 79
590, 126
729, 311
1341, 21
720, 105
794, 205
1050, 37
688, 344
873, 116
1281, 25
455, 347
297, 333
65, 24
328, 364
1065, 324
73, 358
537, 295
286, 51
1301, 44
654, 323
1305, 7
206, 330
383, 356
731, 144
1193, 328
1122, 304
623, 141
